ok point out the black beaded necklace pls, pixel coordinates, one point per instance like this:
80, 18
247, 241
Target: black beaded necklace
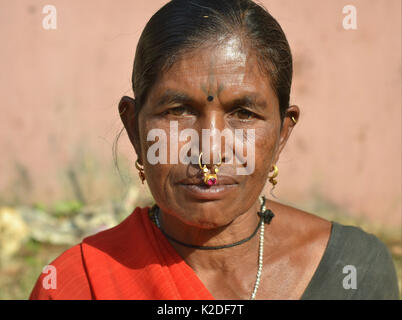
265, 217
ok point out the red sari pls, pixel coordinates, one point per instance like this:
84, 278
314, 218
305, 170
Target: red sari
130, 261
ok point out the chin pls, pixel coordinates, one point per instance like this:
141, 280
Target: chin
205, 215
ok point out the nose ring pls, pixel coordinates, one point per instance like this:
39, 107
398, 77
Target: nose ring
210, 179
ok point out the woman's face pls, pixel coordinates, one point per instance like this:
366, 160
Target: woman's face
213, 88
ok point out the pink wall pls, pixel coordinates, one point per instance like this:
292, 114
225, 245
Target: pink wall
60, 89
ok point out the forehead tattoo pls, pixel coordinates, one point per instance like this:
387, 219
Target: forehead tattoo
208, 88
211, 94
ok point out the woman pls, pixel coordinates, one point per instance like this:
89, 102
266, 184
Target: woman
206, 69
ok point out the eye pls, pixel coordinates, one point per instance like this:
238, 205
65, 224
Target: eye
179, 111
244, 114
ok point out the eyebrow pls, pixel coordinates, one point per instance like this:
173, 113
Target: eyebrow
172, 96
249, 101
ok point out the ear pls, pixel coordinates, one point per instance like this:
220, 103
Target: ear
287, 127
127, 108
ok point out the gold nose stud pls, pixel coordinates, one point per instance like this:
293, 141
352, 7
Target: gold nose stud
210, 179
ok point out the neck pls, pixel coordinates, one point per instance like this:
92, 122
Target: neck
225, 259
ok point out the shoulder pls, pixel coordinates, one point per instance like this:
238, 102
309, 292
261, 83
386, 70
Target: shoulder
115, 243
366, 255
347, 252
120, 233
301, 227
63, 278
351, 243
341, 240
355, 265
66, 277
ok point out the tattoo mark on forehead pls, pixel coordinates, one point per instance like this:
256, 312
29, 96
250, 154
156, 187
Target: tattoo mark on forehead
208, 88
220, 89
211, 94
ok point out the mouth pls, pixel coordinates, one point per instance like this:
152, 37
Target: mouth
196, 188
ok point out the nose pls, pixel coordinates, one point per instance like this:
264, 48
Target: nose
212, 125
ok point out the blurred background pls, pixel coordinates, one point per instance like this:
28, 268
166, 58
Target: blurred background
61, 81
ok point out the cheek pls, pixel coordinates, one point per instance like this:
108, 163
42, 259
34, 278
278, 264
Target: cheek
158, 181
159, 171
265, 146
149, 127
160, 139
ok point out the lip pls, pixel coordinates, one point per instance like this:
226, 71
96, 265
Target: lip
222, 180
196, 188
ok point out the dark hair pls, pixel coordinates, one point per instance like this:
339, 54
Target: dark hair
181, 26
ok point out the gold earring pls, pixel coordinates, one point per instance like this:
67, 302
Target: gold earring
272, 178
140, 169
294, 120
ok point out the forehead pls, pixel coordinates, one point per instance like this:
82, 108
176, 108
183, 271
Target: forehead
225, 70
